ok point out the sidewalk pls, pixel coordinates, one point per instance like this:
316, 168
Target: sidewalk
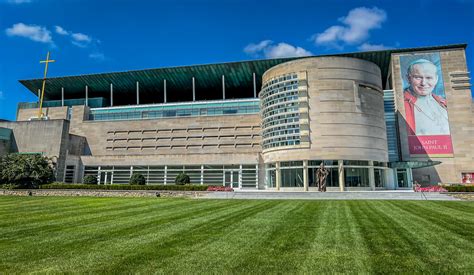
352, 195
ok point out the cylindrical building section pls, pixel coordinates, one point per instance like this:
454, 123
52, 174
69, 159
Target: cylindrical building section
324, 109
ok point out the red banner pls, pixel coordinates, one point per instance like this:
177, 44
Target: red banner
467, 177
439, 145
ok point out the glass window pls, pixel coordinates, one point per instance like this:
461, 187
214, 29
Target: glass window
356, 162
292, 177
356, 177
379, 178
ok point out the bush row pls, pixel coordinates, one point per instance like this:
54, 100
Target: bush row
187, 187
459, 188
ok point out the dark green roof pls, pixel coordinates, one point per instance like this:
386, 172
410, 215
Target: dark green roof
238, 78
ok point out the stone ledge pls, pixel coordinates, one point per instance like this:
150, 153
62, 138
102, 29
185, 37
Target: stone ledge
102, 193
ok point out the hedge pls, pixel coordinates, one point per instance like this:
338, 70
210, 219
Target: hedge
126, 187
459, 188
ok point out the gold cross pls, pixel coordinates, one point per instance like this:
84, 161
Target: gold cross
47, 61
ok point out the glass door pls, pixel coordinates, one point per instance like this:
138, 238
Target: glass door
231, 179
105, 177
402, 179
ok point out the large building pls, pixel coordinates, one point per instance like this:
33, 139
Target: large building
377, 120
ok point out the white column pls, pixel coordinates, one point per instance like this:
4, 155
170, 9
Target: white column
87, 95
256, 176
341, 175
166, 172
202, 174
278, 175
371, 175
111, 94
39, 95
254, 86
138, 93
164, 89
223, 87
62, 96
98, 175
194, 89
409, 178
240, 176
305, 175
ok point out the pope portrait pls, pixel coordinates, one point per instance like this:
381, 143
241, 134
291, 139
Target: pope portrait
426, 112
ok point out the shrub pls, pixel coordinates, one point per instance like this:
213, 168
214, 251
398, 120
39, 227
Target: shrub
188, 187
26, 170
182, 179
89, 179
9, 186
460, 188
137, 179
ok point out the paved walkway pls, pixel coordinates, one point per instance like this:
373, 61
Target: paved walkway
352, 195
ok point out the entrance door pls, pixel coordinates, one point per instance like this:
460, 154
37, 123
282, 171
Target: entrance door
105, 177
231, 179
402, 179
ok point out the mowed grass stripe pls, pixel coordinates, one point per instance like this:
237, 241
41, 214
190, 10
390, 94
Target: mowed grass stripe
237, 245
52, 219
129, 240
79, 240
124, 235
165, 248
387, 239
429, 240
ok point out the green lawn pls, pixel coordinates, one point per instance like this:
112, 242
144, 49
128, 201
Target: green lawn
77, 234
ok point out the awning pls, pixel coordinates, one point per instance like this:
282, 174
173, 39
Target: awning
413, 164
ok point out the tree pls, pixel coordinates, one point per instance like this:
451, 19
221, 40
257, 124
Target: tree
26, 170
182, 179
137, 179
90, 179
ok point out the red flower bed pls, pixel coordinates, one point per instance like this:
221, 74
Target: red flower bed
220, 188
433, 188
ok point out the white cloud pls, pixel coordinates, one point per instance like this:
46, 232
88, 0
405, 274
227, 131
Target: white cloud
78, 39
268, 49
60, 30
373, 47
33, 32
97, 56
255, 48
19, 1
356, 27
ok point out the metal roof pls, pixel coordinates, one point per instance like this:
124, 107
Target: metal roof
238, 79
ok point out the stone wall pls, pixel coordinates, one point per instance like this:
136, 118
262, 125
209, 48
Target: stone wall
51, 112
346, 111
48, 137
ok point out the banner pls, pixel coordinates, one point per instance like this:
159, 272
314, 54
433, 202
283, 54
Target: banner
467, 177
426, 108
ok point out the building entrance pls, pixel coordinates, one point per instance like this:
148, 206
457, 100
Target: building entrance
402, 179
105, 177
231, 179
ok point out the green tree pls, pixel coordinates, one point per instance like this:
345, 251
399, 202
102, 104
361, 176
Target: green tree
137, 179
26, 170
90, 179
182, 179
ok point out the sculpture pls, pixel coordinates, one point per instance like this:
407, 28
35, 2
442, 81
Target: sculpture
321, 175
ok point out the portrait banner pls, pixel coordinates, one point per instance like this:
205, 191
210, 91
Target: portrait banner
426, 108
467, 178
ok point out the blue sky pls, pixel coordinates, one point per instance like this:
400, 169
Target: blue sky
101, 36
